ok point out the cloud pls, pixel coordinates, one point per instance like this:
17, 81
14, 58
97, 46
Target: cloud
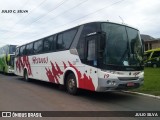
50, 16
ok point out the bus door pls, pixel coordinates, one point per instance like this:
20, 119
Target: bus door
91, 61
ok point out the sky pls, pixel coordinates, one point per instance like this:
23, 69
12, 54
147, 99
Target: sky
46, 17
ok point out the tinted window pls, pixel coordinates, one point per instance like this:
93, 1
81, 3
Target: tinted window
68, 37
60, 42
22, 50
65, 39
17, 51
88, 28
48, 43
29, 49
38, 46
156, 54
12, 49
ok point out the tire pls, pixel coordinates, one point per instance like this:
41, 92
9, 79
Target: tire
4, 71
71, 84
26, 76
154, 65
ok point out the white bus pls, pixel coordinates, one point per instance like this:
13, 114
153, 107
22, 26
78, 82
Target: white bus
96, 56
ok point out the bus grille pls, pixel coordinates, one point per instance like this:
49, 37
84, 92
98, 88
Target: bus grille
127, 78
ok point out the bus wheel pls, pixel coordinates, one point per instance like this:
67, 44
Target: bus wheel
4, 71
154, 65
71, 84
26, 75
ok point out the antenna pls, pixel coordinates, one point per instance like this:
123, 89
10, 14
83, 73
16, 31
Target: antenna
121, 19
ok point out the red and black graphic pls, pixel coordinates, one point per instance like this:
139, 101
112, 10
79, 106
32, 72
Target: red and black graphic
54, 74
65, 66
22, 62
19, 64
84, 82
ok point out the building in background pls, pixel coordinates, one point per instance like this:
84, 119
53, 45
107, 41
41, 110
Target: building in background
150, 42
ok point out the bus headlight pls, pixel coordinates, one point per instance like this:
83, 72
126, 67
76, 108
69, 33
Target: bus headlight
109, 82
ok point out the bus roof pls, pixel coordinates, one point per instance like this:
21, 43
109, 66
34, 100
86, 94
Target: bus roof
81, 25
101, 21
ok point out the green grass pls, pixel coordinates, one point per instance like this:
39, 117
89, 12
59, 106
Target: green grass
151, 82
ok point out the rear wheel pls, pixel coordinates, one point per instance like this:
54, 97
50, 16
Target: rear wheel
26, 75
4, 71
71, 84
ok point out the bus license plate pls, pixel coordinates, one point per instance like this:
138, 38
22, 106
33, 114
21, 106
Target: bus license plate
130, 84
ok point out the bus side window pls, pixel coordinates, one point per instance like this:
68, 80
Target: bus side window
48, 44
65, 39
68, 37
29, 49
60, 42
38, 47
17, 52
22, 50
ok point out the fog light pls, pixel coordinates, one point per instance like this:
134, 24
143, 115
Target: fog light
108, 82
114, 83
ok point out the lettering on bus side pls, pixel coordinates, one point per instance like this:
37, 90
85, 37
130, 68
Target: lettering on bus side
38, 60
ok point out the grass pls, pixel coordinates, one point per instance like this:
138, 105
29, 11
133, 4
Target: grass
151, 82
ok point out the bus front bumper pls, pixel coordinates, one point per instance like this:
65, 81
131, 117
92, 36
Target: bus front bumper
116, 84
11, 71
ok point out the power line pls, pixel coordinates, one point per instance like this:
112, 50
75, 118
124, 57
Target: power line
86, 15
64, 11
90, 13
55, 16
61, 3
49, 12
31, 11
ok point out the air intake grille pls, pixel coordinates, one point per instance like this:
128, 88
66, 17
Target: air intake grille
127, 78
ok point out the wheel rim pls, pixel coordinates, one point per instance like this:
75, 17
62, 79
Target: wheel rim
71, 84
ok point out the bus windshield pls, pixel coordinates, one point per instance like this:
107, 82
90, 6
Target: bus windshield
123, 46
12, 49
147, 55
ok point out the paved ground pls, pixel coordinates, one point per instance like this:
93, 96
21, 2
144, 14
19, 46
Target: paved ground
18, 95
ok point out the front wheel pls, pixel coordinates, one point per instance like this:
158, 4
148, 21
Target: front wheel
71, 84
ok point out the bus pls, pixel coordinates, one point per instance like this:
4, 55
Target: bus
7, 54
152, 58
97, 56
